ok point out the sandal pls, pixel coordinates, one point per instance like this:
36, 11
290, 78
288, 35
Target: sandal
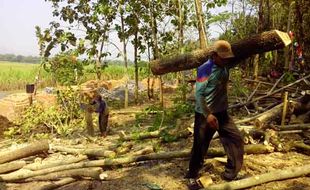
193, 184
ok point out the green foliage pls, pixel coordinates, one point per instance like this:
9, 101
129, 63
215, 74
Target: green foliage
289, 77
238, 89
166, 117
38, 121
65, 68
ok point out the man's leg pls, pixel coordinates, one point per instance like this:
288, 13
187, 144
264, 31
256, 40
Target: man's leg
233, 144
202, 137
103, 123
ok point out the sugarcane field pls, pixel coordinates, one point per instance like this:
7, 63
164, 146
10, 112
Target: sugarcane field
154, 95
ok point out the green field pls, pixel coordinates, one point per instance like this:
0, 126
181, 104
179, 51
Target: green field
14, 76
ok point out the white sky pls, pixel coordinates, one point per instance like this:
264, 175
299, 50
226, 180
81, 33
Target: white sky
18, 19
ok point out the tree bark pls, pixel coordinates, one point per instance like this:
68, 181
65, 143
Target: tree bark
29, 150
97, 152
281, 174
302, 147
50, 164
266, 41
305, 126
153, 134
201, 25
268, 115
212, 152
93, 173
54, 185
11, 166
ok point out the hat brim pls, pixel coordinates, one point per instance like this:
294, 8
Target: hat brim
226, 55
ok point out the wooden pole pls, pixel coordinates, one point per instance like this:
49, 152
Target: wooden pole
284, 108
275, 175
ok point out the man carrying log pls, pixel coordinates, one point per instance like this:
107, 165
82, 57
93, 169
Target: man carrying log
211, 114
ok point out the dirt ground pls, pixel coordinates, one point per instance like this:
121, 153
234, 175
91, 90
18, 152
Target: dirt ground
168, 174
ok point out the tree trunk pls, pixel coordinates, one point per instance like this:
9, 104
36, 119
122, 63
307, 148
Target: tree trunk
136, 67
11, 166
201, 25
212, 152
93, 173
266, 41
97, 152
275, 175
125, 60
54, 185
50, 164
29, 150
271, 114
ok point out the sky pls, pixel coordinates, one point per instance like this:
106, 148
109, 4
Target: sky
18, 19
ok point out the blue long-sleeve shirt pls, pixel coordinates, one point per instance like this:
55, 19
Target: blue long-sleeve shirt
213, 90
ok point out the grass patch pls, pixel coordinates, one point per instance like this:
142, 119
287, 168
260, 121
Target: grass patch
15, 76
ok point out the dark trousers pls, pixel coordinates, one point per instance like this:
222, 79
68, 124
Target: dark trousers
103, 123
231, 140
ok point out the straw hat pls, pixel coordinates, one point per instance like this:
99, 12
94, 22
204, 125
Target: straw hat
223, 49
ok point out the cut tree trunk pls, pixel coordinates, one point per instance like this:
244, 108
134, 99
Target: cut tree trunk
153, 134
302, 147
54, 185
212, 152
305, 126
140, 136
93, 173
96, 152
50, 164
275, 175
268, 115
29, 150
12, 166
264, 42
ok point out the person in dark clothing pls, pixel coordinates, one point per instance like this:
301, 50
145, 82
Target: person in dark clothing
211, 114
102, 109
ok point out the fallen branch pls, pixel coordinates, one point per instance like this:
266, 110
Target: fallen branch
305, 126
95, 152
270, 94
275, 175
23, 174
268, 115
29, 150
93, 173
139, 136
54, 185
11, 166
302, 147
50, 164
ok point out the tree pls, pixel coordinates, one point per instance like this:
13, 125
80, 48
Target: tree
92, 19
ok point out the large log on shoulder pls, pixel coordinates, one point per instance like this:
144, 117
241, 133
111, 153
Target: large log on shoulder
264, 42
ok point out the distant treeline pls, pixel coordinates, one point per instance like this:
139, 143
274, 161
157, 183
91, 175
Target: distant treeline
19, 58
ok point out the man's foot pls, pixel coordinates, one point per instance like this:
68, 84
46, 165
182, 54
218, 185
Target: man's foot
103, 135
227, 176
191, 175
193, 184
